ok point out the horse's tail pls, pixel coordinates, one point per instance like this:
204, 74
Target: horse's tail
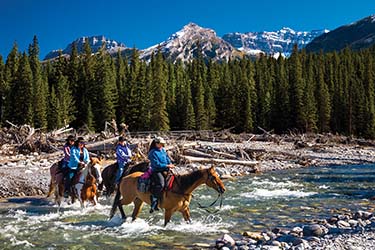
115, 203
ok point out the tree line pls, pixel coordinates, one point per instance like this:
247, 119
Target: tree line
331, 92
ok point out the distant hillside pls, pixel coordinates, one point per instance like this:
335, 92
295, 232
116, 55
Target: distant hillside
357, 35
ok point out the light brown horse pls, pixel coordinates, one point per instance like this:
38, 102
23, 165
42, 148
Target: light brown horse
85, 188
176, 199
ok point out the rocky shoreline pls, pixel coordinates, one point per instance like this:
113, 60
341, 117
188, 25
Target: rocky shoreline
28, 175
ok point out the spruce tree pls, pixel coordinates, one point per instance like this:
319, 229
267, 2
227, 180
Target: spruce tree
11, 68
296, 90
22, 94
159, 115
39, 87
103, 91
3, 90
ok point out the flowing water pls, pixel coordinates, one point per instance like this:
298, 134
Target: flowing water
252, 203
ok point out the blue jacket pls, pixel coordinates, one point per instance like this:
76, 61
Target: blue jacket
159, 159
74, 157
123, 154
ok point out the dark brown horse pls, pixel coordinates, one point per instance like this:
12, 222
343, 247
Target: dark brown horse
109, 175
176, 199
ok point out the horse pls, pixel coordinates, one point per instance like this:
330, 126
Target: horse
109, 175
86, 187
176, 199
57, 182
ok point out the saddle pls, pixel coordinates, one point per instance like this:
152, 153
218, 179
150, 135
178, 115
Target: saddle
146, 184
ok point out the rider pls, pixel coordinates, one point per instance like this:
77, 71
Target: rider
79, 156
68, 145
160, 162
123, 155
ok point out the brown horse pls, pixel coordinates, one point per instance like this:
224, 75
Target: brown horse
176, 199
109, 175
86, 192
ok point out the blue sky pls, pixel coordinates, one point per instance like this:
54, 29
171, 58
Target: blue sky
142, 23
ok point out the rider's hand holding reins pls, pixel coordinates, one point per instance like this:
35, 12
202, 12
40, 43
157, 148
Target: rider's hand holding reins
171, 165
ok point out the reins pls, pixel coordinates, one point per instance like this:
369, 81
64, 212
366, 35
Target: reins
212, 204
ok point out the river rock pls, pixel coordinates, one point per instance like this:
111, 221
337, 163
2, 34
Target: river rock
363, 215
343, 224
313, 230
225, 241
253, 235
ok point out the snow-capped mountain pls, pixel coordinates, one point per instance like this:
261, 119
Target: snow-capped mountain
184, 44
96, 42
274, 42
357, 35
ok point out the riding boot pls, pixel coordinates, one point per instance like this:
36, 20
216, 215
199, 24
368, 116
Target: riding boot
154, 204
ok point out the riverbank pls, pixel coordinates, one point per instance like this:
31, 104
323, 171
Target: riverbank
28, 175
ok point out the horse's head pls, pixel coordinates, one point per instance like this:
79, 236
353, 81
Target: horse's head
214, 181
96, 165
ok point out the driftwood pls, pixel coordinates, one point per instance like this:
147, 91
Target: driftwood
196, 153
214, 160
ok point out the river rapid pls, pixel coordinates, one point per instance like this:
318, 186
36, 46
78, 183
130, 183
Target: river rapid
258, 202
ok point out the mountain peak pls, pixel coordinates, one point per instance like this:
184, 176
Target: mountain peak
96, 42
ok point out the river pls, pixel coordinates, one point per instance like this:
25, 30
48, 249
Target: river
251, 203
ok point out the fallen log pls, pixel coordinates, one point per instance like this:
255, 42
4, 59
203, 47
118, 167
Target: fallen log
227, 155
196, 153
214, 160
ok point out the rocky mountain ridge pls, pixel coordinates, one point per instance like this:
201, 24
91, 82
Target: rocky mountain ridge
185, 44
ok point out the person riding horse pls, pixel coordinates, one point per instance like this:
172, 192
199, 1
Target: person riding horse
63, 164
123, 156
160, 162
79, 156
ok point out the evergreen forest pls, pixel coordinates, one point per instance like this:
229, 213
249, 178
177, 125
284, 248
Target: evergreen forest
330, 92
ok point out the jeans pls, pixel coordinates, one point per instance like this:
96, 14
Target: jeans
120, 171
69, 177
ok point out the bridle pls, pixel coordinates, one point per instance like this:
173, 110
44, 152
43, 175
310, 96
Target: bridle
212, 179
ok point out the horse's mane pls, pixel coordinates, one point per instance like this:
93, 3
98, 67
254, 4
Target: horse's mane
185, 181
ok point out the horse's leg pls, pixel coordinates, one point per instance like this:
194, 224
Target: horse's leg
51, 188
186, 215
138, 204
167, 216
116, 204
123, 215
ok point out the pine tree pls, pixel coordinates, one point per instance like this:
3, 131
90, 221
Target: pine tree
104, 91
369, 82
323, 100
120, 84
309, 107
171, 95
66, 102
11, 68
159, 115
39, 87
280, 101
54, 117
84, 89
3, 90
22, 93
296, 89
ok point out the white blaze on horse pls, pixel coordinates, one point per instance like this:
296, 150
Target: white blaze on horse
84, 184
